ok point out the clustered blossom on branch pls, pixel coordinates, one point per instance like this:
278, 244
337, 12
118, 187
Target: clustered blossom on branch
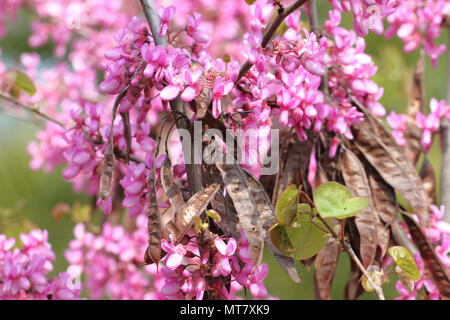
367, 14
429, 124
112, 262
415, 22
24, 271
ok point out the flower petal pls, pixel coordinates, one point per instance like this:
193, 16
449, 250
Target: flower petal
188, 94
169, 93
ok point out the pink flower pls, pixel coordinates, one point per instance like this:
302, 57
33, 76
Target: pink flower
220, 89
165, 18
226, 252
398, 123
175, 254
194, 86
253, 280
192, 28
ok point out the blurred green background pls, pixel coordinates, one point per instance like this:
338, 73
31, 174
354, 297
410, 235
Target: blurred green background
28, 196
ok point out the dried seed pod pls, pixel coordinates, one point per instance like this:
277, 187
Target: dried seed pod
237, 186
324, 268
366, 221
267, 216
185, 215
380, 149
107, 177
170, 187
153, 222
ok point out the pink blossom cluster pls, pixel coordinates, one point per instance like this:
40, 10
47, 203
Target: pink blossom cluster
110, 261
438, 234
419, 23
113, 265
8, 12
367, 14
429, 124
415, 22
287, 73
220, 269
222, 20
350, 70
135, 185
24, 271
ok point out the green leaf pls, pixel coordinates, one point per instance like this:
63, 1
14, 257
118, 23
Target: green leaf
280, 239
405, 260
250, 2
214, 215
354, 205
283, 208
307, 239
199, 225
304, 208
25, 83
332, 199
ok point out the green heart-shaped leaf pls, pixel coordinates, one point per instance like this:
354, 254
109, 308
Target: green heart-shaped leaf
25, 83
283, 208
353, 206
280, 239
332, 199
405, 260
307, 239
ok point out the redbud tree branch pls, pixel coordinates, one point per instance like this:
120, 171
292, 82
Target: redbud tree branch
193, 171
445, 131
153, 21
282, 14
313, 16
33, 109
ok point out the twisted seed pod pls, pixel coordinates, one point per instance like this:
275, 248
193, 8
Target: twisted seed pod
107, 177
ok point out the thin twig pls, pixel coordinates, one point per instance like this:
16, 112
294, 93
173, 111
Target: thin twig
282, 14
313, 17
193, 171
35, 110
153, 21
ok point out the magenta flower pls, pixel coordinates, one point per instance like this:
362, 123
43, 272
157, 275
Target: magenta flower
253, 281
175, 253
166, 14
194, 87
220, 89
398, 124
226, 252
193, 22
